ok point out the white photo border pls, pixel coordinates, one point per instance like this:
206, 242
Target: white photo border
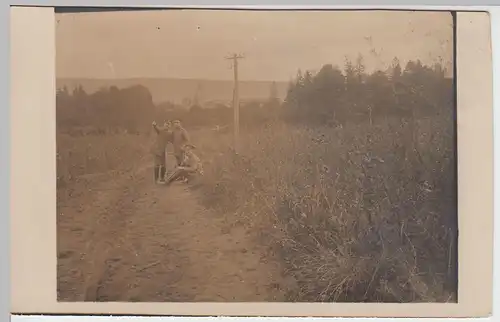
51, 126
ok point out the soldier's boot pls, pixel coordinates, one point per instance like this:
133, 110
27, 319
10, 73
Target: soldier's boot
163, 170
156, 173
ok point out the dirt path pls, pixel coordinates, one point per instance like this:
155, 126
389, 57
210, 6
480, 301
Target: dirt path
131, 240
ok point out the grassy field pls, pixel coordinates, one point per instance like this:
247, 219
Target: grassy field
358, 213
355, 213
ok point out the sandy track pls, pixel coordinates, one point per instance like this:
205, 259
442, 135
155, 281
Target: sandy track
128, 239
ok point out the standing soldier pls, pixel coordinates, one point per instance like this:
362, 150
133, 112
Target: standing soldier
163, 136
167, 125
180, 138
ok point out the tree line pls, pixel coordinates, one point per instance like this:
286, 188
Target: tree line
337, 96
132, 110
331, 96
108, 109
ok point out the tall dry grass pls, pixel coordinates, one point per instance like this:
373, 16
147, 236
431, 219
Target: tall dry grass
93, 154
359, 213
88, 158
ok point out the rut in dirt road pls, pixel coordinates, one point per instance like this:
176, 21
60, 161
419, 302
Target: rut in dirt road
157, 243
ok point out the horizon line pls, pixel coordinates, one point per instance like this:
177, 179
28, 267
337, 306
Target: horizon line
188, 79
173, 78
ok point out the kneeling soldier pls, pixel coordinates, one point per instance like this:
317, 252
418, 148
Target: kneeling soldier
191, 165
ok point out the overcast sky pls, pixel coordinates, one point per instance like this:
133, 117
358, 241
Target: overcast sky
193, 44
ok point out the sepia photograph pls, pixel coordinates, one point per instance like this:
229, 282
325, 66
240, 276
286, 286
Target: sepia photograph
256, 156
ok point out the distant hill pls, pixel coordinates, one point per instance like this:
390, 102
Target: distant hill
176, 90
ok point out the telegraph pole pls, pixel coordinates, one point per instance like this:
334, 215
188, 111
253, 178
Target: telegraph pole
236, 100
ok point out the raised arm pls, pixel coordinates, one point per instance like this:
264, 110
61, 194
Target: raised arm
156, 128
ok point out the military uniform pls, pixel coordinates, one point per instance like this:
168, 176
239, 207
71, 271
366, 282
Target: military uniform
163, 137
190, 165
